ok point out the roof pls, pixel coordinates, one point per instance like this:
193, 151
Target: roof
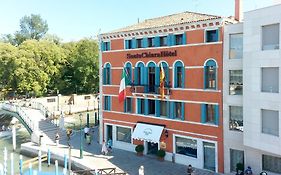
164, 21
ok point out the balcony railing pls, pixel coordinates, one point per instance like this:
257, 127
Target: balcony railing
150, 89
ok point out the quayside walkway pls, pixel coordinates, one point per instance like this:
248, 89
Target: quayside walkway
123, 161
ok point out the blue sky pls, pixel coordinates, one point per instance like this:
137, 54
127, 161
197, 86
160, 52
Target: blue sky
76, 19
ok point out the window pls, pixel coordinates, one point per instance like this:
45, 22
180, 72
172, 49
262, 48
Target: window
236, 118
270, 79
271, 163
151, 107
163, 108
150, 42
178, 110
163, 41
140, 106
106, 74
123, 134
129, 71
128, 44
211, 36
138, 73
88, 97
179, 39
236, 46
210, 70
51, 100
128, 105
270, 122
178, 75
270, 37
139, 43
186, 147
235, 82
106, 46
236, 156
210, 115
107, 101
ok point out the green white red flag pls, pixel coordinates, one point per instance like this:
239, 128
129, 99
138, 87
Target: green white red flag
123, 83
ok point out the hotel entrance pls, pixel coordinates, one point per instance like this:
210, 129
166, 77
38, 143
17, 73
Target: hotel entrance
152, 148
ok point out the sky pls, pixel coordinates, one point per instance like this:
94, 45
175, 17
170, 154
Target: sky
73, 20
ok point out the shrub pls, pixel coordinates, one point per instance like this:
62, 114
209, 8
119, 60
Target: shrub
139, 148
240, 166
161, 153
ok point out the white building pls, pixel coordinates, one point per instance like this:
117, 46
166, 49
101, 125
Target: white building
252, 99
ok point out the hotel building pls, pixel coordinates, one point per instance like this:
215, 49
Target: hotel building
252, 104
188, 122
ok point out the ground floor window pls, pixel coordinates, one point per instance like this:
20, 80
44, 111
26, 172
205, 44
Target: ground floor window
123, 134
236, 156
271, 163
186, 146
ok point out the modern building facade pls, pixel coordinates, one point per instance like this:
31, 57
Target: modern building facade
188, 122
252, 104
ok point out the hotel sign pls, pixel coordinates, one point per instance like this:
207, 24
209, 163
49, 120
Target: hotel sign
153, 54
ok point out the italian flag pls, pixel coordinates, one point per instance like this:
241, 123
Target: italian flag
123, 83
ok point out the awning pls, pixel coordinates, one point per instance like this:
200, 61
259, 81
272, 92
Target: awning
146, 132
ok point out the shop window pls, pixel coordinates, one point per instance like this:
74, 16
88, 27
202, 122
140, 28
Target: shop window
235, 82
270, 79
212, 36
123, 134
187, 147
236, 118
236, 156
270, 37
236, 46
270, 122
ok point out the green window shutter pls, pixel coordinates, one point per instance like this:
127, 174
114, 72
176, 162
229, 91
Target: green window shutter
109, 45
217, 118
203, 113
184, 38
144, 42
182, 111
109, 102
125, 105
146, 106
217, 35
205, 77
172, 110
134, 43
102, 46
157, 41
183, 77
138, 106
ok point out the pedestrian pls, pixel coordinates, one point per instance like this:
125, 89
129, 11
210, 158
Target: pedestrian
249, 170
141, 170
57, 138
109, 145
88, 139
189, 170
86, 131
104, 150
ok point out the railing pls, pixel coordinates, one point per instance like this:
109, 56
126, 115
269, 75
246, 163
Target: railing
39, 106
17, 109
151, 89
104, 171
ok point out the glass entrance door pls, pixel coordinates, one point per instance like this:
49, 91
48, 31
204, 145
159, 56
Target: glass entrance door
152, 148
209, 156
109, 132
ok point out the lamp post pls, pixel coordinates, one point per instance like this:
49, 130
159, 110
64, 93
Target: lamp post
81, 137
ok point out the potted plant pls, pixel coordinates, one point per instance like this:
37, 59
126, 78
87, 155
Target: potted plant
139, 149
161, 154
239, 167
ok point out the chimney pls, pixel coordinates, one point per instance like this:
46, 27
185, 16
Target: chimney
238, 10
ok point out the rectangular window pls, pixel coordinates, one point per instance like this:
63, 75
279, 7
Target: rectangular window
270, 79
236, 156
236, 118
235, 82
128, 105
236, 46
150, 42
211, 36
107, 104
151, 107
179, 39
140, 106
187, 147
139, 43
270, 122
179, 77
163, 108
123, 134
163, 41
178, 110
210, 115
87, 97
130, 44
106, 46
270, 37
51, 100
271, 163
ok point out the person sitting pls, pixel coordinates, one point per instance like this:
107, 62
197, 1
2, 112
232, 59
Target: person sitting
249, 170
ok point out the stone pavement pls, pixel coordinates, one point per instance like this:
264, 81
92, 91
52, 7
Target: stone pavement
129, 162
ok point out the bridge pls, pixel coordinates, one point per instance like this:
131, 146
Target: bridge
35, 118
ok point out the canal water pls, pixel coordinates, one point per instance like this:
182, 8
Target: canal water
71, 121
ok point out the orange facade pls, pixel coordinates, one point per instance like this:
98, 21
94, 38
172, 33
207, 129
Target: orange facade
194, 55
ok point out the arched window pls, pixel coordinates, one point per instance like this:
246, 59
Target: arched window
167, 73
128, 68
138, 76
210, 75
179, 73
152, 77
107, 74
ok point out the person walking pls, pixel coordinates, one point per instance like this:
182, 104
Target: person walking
86, 131
109, 145
57, 139
189, 170
141, 170
104, 149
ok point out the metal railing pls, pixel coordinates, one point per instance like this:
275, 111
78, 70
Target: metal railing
104, 171
152, 89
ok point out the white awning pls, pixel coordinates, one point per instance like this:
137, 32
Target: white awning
146, 132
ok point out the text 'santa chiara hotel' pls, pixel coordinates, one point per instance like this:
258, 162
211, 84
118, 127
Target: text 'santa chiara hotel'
161, 86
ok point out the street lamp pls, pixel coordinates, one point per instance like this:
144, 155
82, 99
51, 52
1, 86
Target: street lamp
81, 137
